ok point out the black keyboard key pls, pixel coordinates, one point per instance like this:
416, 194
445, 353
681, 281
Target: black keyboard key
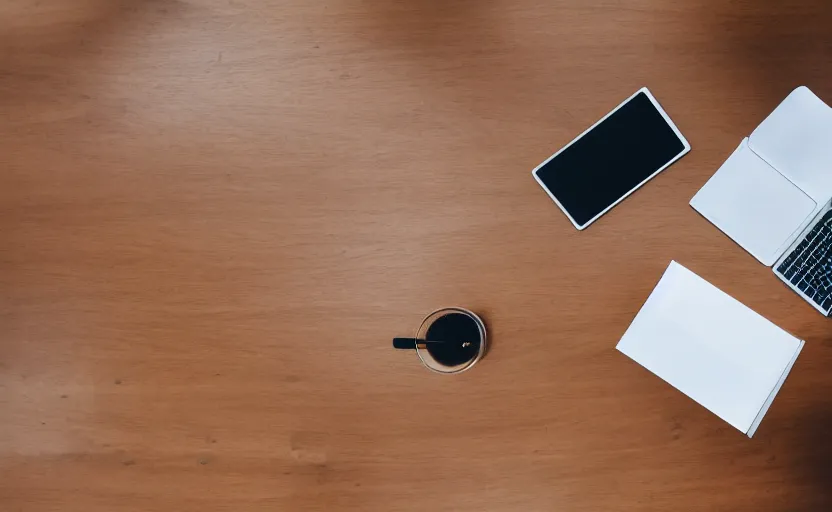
823, 257
820, 285
802, 245
820, 271
797, 278
814, 283
803, 259
798, 264
812, 273
787, 263
812, 234
799, 250
827, 276
809, 266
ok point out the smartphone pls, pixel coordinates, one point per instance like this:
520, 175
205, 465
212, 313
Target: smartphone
611, 159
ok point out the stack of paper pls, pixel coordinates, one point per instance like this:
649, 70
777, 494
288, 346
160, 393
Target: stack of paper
711, 347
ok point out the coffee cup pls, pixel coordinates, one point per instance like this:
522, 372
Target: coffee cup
448, 341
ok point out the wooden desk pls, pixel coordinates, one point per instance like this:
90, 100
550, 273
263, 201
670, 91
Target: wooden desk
214, 215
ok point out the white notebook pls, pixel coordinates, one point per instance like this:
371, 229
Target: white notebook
711, 347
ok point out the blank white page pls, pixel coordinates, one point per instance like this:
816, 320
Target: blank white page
709, 346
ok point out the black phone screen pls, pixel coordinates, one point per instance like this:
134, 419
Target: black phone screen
611, 159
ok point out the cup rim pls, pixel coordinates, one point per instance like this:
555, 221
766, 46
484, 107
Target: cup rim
483, 339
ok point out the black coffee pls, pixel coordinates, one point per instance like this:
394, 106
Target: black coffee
462, 337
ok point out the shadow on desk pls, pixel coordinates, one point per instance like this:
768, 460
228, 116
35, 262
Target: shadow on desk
774, 45
810, 458
53, 51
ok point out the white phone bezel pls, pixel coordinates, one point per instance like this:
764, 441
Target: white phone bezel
608, 208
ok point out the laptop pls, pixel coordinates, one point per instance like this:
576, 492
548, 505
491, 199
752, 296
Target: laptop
772, 196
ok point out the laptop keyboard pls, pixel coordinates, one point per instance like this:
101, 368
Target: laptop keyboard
809, 266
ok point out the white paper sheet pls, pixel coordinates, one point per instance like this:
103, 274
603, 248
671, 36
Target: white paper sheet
711, 347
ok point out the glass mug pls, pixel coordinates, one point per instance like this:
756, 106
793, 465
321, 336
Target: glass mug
449, 340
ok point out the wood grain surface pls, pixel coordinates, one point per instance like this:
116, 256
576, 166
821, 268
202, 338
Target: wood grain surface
215, 214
